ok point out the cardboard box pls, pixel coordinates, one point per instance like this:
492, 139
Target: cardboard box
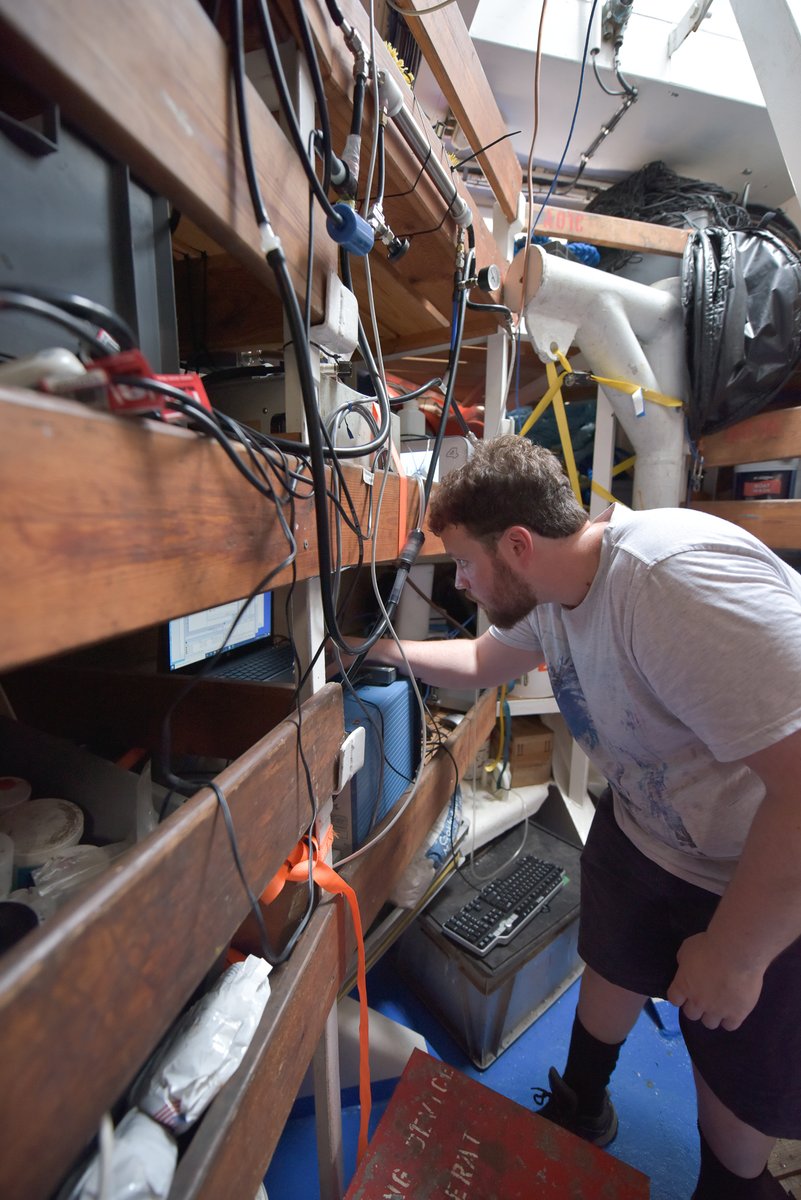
530, 751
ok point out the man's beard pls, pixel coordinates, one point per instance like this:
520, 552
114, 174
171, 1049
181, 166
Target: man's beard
512, 598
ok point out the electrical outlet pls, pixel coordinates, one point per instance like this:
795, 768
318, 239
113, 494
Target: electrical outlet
351, 756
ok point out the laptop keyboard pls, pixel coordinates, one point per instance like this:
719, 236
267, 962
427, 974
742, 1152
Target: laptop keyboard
274, 663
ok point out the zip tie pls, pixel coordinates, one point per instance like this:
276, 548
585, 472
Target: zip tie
269, 238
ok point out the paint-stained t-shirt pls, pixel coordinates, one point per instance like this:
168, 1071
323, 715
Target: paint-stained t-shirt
683, 658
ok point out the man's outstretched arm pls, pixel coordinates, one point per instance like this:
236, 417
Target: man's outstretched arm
459, 662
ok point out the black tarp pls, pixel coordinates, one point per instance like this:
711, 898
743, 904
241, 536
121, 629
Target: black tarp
741, 296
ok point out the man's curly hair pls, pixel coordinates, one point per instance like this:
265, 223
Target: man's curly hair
507, 481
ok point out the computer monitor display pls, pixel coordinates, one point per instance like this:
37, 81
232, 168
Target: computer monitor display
198, 636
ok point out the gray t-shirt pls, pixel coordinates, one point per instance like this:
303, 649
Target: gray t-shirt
683, 658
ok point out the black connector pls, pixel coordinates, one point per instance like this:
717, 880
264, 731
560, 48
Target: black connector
375, 675
413, 546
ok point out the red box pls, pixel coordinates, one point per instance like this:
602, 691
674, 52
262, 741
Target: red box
446, 1137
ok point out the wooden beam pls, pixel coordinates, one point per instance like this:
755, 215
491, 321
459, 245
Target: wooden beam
775, 522
616, 232
102, 968
166, 108
112, 524
766, 436
448, 49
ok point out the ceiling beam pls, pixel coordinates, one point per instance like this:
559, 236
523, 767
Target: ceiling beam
448, 49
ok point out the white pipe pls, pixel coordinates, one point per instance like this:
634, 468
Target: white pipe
626, 331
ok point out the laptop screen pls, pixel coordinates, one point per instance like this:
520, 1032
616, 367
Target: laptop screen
200, 635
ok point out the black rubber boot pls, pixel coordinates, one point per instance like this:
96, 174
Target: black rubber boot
562, 1108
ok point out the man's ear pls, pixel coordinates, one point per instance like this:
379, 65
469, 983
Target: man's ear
518, 542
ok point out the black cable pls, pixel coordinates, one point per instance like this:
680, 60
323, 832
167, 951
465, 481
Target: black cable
288, 609
177, 783
381, 154
319, 93
276, 256
472, 304
309, 260
238, 64
200, 416
27, 302
453, 362
277, 261
426, 387
334, 12
266, 949
359, 89
469, 157
99, 315
271, 47
413, 188
609, 91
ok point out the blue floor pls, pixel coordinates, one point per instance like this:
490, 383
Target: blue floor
652, 1090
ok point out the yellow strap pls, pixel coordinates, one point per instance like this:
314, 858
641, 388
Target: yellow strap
622, 385
541, 407
624, 465
564, 429
490, 767
602, 492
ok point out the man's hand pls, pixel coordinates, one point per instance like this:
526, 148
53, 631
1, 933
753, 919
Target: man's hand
709, 988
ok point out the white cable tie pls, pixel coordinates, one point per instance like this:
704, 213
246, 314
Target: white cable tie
638, 400
269, 238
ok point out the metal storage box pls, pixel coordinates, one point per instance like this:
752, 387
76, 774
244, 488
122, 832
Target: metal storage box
486, 1003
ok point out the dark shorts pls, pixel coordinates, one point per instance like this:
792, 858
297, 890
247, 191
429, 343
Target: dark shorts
634, 917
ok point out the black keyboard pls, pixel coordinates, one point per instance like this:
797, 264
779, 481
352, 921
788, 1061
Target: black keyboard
275, 663
505, 906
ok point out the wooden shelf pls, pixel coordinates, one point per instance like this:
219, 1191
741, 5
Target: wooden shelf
111, 525
91, 991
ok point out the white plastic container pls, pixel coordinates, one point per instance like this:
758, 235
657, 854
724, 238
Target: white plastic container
39, 829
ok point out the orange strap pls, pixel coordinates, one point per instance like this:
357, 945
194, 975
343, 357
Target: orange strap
296, 868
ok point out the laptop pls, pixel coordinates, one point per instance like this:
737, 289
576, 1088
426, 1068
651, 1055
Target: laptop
251, 653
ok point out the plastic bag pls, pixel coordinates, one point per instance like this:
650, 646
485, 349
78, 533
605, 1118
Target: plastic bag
143, 1159
206, 1046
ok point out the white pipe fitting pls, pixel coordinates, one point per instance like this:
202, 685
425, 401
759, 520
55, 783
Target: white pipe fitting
625, 331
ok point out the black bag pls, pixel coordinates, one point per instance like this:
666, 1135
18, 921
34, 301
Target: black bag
741, 296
